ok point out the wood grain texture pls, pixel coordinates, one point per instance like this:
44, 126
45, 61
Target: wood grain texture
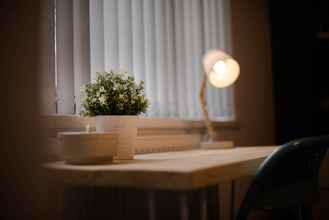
183, 170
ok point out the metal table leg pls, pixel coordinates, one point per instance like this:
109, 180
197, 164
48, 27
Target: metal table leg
151, 205
183, 205
203, 204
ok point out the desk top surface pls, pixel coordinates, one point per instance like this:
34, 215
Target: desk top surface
180, 170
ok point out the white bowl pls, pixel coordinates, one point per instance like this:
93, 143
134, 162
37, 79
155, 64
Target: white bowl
88, 147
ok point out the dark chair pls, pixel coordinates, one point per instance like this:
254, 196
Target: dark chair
288, 179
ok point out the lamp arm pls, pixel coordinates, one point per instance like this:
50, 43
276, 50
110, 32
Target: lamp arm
210, 129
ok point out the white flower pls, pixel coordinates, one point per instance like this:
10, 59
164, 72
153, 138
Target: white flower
93, 100
101, 89
102, 100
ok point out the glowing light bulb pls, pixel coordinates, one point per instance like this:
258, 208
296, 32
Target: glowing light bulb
220, 70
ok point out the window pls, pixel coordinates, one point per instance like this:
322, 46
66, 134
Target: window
160, 42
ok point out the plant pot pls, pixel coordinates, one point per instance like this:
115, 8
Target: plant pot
125, 126
87, 147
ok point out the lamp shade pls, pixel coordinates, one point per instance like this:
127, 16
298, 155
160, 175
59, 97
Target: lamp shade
222, 70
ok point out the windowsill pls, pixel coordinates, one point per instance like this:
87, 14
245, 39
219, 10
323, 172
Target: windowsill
144, 122
154, 134
153, 122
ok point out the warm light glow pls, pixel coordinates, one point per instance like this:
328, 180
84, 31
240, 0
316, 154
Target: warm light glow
224, 73
221, 69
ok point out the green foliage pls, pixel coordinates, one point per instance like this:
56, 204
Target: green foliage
113, 93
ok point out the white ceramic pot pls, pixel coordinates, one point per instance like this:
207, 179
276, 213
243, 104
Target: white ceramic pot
125, 126
87, 147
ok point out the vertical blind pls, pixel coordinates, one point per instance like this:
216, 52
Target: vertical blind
159, 41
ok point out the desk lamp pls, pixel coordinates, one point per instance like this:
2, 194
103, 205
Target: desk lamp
222, 71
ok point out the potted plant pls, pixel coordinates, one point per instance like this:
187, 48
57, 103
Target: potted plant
116, 100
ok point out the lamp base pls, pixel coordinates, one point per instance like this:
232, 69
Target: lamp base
217, 144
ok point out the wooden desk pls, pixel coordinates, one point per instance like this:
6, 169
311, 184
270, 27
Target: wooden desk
182, 171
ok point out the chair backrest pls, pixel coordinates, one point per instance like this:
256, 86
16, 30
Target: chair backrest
288, 177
